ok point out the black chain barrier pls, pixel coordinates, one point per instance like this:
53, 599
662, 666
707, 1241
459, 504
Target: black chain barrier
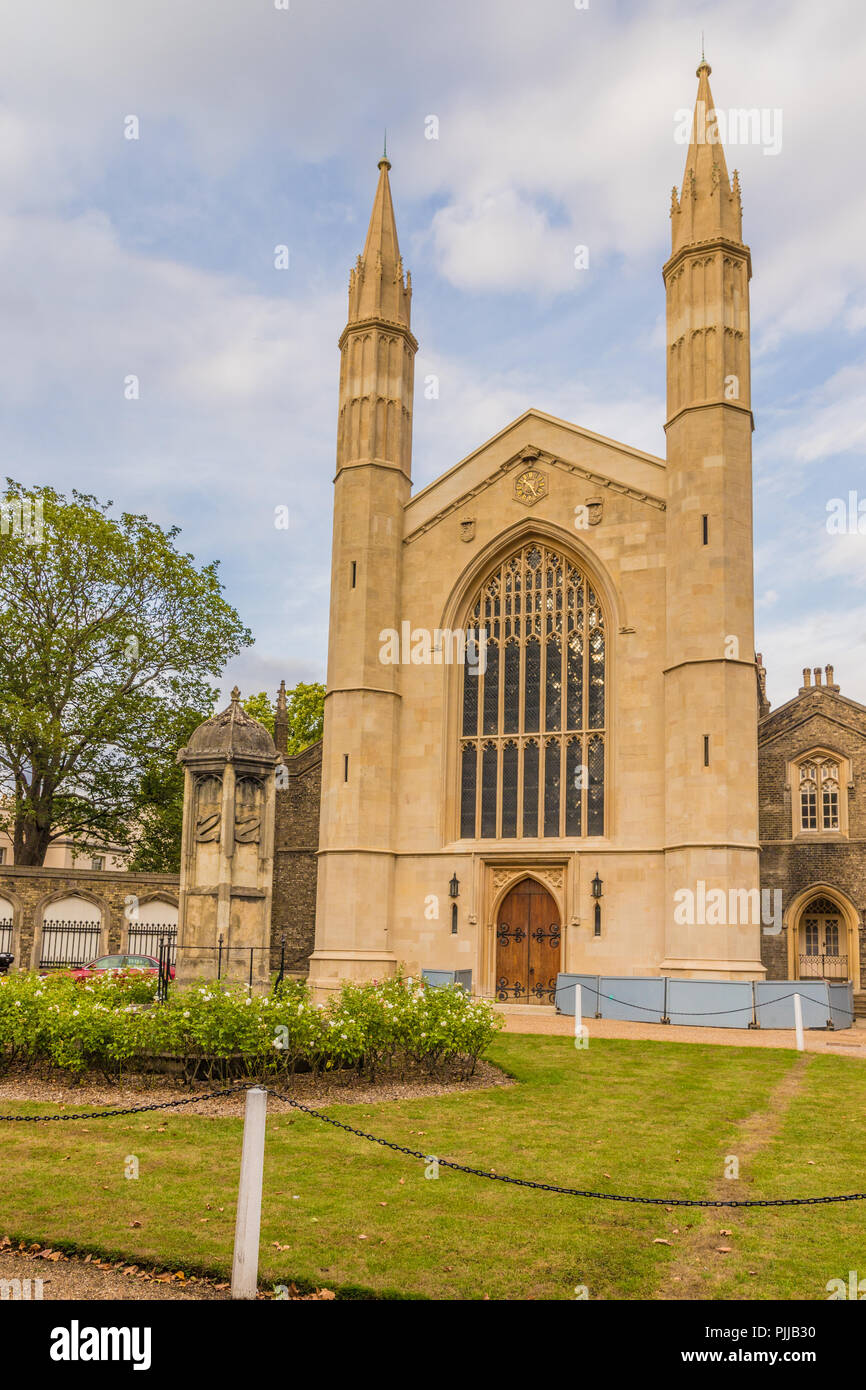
569, 1191
132, 1110
449, 1163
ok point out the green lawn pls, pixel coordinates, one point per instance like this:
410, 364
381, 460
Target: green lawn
648, 1118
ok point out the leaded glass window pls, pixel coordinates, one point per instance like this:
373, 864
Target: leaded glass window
533, 723
489, 758
819, 794
829, 796
509, 790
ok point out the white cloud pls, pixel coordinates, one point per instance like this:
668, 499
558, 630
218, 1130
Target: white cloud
502, 242
556, 128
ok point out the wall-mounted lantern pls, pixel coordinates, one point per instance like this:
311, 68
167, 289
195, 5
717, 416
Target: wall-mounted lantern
597, 893
454, 887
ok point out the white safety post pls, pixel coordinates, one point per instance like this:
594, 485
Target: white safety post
798, 1023
578, 1012
245, 1263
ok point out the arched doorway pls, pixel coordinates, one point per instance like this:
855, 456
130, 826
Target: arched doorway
822, 942
528, 938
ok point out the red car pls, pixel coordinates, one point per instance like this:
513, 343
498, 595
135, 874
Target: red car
148, 964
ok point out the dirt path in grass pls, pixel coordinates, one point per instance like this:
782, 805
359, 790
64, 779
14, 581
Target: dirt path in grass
708, 1246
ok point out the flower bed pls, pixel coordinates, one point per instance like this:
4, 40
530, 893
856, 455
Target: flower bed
214, 1031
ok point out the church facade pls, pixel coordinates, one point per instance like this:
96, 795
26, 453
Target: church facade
540, 749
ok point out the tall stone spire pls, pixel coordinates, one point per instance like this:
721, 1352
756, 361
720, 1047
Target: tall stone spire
709, 204
711, 753
358, 829
377, 288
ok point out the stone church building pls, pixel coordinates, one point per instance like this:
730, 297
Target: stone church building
547, 745
541, 671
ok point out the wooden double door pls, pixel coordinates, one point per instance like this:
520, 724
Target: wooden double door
528, 942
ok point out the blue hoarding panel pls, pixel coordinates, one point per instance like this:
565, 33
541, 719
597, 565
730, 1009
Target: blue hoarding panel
710, 1003
842, 1004
437, 978
775, 1002
564, 995
630, 997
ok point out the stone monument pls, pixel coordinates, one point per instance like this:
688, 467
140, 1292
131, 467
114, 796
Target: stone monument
226, 871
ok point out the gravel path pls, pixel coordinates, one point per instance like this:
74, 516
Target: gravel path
85, 1278
76, 1277
318, 1091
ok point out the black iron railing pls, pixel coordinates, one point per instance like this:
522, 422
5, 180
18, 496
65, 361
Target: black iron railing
69, 944
5, 935
823, 967
146, 939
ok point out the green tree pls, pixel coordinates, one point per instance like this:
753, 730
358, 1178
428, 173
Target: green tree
159, 799
110, 637
261, 707
305, 705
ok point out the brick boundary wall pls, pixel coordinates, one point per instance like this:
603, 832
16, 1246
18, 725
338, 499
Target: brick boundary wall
32, 890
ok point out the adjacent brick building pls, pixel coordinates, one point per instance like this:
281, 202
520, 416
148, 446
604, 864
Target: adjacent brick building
812, 792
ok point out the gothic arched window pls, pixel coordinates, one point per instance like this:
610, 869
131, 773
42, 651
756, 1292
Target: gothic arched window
819, 786
532, 734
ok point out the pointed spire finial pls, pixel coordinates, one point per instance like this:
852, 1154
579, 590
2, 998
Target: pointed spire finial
703, 65
236, 695
385, 160
281, 697
711, 204
378, 289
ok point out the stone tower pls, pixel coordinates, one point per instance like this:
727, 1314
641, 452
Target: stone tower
362, 707
227, 854
711, 802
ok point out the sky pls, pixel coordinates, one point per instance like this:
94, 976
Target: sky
260, 127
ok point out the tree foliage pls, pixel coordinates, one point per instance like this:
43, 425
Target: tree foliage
261, 707
305, 705
110, 642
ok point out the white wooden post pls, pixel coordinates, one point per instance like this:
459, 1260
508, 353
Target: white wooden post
798, 1023
245, 1263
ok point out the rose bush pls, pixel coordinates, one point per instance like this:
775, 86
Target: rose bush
215, 1030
